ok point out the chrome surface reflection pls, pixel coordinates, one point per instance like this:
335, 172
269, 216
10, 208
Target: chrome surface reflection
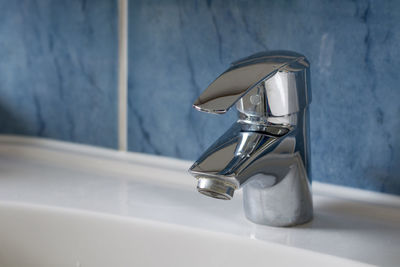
267, 151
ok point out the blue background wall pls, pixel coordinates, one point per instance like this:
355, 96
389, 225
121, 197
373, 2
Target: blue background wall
58, 72
178, 47
58, 66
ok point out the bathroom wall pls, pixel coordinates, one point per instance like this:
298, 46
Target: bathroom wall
59, 69
176, 48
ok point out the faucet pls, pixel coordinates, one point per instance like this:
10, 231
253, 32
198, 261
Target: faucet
267, 150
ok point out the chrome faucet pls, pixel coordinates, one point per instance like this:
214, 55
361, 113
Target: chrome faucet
267, 150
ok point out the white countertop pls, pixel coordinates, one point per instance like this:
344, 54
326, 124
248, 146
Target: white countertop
354, 224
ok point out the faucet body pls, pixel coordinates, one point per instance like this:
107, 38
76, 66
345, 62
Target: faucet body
267, 151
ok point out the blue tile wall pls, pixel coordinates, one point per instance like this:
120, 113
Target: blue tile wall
58, 69
176, 48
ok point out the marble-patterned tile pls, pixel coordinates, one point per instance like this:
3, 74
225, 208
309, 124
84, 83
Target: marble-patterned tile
58, 70
178, 47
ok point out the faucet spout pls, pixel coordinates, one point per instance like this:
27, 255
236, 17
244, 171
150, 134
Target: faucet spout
271, 169
216, 188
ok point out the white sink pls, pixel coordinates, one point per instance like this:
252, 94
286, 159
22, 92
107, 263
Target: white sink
42, 236
73, 205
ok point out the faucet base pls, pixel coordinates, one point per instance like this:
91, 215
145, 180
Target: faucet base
287, 203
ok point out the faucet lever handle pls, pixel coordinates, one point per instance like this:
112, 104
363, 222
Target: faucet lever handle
244, 75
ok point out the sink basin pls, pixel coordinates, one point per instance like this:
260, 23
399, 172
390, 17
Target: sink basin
43, 236
73, 205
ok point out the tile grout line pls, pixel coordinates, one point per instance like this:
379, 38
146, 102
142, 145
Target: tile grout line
122, 75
